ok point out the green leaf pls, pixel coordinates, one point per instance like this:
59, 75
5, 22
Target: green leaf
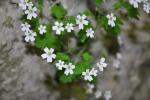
98, 2
85, 64
47, 40
87, 57
71, 19
88, 13
66, 79
82, 36
81, 68
58, 11
132, 12
62, 56
118, 5
34, 24
40, 43
111, 30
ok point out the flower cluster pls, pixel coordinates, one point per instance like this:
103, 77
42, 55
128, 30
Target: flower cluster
94, 72
80, 21
146, 4
59, 27
29, 34
28, 8
30, 11
135, 3
68, 67
87, 75
146, 7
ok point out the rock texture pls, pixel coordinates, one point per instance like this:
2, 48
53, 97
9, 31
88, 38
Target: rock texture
24, 76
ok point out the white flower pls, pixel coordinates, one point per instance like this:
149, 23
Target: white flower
90, 33
87, 75
25, 27
60, 64
58, 27
146, 7
107, 95
42, 29
23, 4
30, 36
111, 19
81, 20
101, 65
30, 5
69, 27
93, 72
134, 3
31, 12
69, 69
49, 55
98, 94
90, 88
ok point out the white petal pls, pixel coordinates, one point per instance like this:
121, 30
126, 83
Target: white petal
83, 17
57, 23
32, 39
73, 66
44, 55
61, 24
27, 39
27, 12
102, 60
46, 50
108, 16
78, 17
51, 50
71, 72
34, 15
61, 29
66, 72
34, 34
54, 27
49, 59
53, 56
80, 26
29, 17
85, 22
58, 32
104, 65
34, 9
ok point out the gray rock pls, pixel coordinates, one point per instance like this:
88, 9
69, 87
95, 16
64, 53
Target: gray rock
24, 76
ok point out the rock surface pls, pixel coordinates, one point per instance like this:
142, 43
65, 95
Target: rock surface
23, 73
